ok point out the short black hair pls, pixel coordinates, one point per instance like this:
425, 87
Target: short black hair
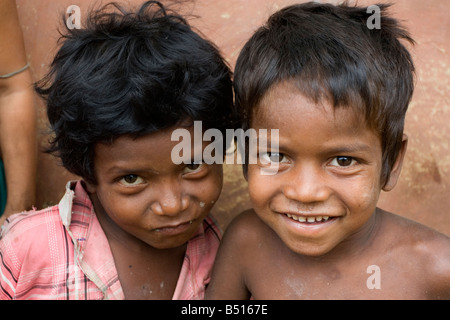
330, 53
131, 73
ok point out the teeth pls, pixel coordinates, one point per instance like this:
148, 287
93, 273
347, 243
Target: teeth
308, 219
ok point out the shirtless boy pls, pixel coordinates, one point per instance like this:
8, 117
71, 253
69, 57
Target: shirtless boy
338, 93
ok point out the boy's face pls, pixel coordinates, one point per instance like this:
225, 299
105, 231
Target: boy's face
142, 193
328, 181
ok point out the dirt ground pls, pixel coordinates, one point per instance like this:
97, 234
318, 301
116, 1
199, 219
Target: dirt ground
423, 193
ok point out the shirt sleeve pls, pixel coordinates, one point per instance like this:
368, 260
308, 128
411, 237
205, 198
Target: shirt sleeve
8, 280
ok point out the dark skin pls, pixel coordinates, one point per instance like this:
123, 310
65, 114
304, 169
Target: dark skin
265, 268
149, 208
18, 142
145, 272
315, 230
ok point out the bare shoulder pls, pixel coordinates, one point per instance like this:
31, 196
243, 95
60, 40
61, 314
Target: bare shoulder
237, 236
251, 240
418, 235
236, 256
246, 232
247, 224
426, 249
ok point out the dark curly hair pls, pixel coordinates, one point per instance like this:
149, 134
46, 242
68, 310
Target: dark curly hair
131, 73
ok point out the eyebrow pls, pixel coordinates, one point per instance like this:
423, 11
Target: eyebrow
341, 150
117, 170
350, 148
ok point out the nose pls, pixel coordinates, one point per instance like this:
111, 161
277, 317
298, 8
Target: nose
170, 200
307, 184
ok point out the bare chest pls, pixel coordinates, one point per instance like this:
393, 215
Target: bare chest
360, 281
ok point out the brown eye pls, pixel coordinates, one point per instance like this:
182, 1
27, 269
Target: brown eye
193, 166
275, 157
131, 180
272, 157
343, 161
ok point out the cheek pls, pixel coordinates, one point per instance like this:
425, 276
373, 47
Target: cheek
260, 188
209, 189
363, 196
121, 209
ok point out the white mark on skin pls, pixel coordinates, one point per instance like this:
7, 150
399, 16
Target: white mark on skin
296, 286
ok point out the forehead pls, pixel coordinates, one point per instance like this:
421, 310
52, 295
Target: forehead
127, 152
284, 106
313, 128
151, 151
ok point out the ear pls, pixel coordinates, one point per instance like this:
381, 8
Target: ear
90, 188
397, 168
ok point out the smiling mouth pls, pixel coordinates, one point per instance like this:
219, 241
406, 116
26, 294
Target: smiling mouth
310, 219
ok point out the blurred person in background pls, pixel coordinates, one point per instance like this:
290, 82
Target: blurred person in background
18, 141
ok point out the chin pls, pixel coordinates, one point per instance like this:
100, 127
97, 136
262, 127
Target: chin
168, 245
309, 249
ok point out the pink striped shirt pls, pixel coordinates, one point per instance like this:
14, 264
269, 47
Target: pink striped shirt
62, 253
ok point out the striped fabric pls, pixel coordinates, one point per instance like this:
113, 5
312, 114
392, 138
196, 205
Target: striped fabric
61, 253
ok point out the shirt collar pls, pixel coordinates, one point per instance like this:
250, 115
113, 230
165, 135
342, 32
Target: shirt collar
92, 250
